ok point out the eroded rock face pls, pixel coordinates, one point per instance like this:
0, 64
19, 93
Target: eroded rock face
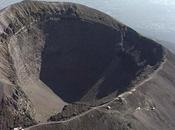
15, 108
64, 52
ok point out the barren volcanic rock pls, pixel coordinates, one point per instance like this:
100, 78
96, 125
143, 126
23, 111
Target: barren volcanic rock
54, 54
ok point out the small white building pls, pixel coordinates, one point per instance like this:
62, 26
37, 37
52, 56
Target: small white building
138, 108
108, 107
18, 128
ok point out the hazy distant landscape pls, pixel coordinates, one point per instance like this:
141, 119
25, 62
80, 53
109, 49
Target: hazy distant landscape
153, 18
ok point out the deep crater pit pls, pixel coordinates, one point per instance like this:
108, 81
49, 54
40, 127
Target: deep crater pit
75, 56
78, 53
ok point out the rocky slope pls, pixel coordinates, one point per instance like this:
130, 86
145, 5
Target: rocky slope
54, 54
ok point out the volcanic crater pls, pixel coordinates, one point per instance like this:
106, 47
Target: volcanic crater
80, 53
62, 53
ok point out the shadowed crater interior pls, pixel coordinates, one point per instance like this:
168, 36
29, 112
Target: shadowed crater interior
79, 53
75, 56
